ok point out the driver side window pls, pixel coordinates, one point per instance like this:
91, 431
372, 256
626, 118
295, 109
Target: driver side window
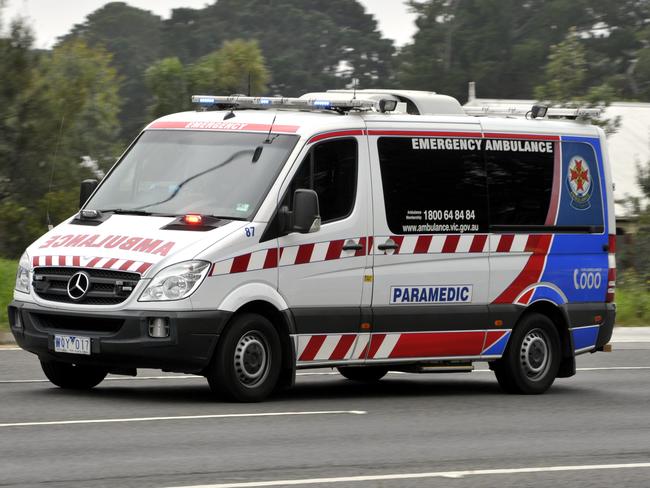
330, 169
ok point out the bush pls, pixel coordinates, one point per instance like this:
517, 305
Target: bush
632, 300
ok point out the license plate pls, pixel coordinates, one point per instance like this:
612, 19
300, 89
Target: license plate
72, 344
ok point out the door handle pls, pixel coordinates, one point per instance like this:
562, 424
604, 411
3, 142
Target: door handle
352, 246
389, 244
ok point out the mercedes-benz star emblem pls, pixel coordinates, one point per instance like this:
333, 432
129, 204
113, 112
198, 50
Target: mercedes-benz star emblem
78, 285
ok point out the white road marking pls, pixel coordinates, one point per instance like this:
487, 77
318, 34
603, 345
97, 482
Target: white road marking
434, 474
185, 417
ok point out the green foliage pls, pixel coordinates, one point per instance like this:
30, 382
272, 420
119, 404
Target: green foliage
167, 81
565, 72
59, 121
231, 69
632, 300
7, 280
134, 38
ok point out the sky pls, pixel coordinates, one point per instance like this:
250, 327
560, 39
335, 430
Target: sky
53, 18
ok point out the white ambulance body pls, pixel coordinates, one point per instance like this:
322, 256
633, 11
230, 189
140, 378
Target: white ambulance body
272, 234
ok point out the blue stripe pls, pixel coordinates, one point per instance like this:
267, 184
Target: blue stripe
584, 337
498, 347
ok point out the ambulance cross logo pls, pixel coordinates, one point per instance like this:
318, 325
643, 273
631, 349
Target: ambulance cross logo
579, 183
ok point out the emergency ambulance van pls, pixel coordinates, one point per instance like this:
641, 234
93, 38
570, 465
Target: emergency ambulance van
367, 231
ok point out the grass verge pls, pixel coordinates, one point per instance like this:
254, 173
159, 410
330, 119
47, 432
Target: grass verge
7, 278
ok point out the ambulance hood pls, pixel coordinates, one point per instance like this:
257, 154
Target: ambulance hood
125, 243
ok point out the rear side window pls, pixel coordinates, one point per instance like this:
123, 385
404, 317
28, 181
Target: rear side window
330, 169
520, 181
433, 185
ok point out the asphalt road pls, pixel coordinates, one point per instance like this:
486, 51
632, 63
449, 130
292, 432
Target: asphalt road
453, 430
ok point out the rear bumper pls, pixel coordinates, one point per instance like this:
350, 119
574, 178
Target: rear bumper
120, 339
607, 327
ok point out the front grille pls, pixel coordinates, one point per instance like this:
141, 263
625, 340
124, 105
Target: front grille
107, 287
76, 323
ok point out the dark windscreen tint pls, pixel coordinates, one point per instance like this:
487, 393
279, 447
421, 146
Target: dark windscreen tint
431, 186
520, 182
180, 172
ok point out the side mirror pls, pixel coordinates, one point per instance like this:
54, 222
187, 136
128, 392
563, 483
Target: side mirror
305, 217
87, 189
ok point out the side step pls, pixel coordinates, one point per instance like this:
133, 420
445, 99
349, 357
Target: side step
441, 368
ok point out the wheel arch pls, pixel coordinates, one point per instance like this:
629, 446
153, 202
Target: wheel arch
283, 322
560, 318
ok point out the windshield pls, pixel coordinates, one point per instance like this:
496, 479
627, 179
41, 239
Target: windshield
180, 172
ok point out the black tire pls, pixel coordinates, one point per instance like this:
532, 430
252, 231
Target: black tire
366, 374
73, 376
246, 365
532, 359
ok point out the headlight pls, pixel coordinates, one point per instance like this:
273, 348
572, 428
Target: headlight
22, 274
176, 282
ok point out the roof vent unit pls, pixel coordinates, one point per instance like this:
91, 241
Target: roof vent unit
417, 102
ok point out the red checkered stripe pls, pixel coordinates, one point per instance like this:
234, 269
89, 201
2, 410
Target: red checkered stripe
395, 345
407, 244
461, 243
289, 256
92, 262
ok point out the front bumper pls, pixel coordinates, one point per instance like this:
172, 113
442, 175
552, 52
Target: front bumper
120, 339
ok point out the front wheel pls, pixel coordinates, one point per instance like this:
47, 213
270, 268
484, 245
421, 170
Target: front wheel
73, 376
366, 374
532, 359
246, 365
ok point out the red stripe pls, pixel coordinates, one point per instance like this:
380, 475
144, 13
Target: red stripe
375, 343
93, 262
271, 260
537, 243
370, 242
492, 337
240, 263
48, 260
343, 346
505, 242
439, 344
225, 126
312, 348
362, 251
35, 260
451, 243
304, 253
109, 264
424, 133
126, 265
422, 245
478, 243
62, 261
143, 267
557, 183
76, 261
339, 133
528, 276
334, 250
526, 297
532, 137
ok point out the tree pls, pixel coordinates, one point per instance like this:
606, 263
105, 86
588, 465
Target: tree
58, 111
238, 67
167, 81
235, 68
134, 38
308, 44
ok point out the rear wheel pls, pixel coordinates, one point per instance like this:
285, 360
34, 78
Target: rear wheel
246, 365
73, 376
367, 374
532, 359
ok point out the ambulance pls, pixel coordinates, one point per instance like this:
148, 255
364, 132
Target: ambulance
368, 231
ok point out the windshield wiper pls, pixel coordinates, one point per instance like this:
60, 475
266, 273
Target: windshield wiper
123, 211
